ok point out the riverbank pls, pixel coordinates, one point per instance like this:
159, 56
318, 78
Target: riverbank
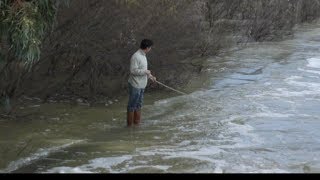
84, 60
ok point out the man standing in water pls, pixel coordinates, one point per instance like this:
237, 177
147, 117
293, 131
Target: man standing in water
137, 82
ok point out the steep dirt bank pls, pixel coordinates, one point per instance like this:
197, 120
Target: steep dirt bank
88, 53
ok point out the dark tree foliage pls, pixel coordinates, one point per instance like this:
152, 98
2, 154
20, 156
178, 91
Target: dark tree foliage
24, 24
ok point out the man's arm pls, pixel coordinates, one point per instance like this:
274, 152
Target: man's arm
134, 68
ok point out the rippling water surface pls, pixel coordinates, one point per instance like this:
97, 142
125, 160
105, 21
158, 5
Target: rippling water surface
259, 114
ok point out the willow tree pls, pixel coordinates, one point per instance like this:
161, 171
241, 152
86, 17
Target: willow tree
23, 26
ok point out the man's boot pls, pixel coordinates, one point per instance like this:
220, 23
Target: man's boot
130, 118
137, 117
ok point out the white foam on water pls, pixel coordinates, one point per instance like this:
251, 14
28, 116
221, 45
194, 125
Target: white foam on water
261, 95
41, 153
314, 62
309, 71
292, 78
204, 149
163, 168
286, 93
309, 88
249, 169
103, 163
272, 114
62, 170
202, 153
107, 163
246, 137
309, 85
248, 165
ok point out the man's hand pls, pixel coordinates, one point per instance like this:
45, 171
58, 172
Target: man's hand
152, 78
148, 73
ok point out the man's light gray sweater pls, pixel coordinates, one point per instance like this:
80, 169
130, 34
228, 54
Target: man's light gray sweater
138, 66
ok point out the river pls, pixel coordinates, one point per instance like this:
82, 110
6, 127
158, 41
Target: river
259, 113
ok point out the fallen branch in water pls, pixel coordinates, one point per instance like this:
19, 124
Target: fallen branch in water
7, 116
25, 147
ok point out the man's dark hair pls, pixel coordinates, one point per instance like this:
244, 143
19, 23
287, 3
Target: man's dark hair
146, 43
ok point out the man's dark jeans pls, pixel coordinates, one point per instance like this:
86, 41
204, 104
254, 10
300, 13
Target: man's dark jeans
135, 98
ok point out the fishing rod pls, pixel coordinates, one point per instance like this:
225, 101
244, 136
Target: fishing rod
179, 92
182, 93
